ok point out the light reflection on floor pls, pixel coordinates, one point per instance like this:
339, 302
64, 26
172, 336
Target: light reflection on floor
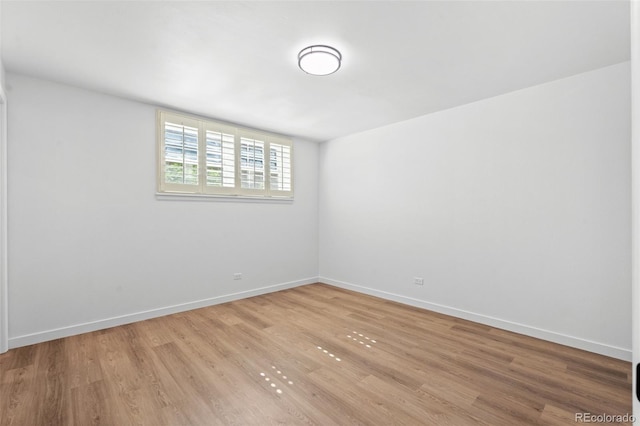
271, 382
328, 353
366, 341
278, 375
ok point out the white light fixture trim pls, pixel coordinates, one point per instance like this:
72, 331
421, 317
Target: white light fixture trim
319, 60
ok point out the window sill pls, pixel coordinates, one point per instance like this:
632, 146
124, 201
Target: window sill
175, 196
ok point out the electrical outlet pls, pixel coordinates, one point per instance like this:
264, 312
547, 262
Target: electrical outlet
237, 276
418, 280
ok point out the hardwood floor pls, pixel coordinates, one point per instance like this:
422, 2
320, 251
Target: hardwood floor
311, 355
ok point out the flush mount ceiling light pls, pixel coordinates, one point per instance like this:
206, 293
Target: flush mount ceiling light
319, 60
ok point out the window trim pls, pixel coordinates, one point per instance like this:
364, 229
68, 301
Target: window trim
202, 190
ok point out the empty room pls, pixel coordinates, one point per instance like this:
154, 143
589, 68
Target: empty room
319, 212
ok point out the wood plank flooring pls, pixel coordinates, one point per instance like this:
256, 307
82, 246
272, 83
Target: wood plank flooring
310, 355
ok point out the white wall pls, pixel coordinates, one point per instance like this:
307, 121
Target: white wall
514, 209
4, 328
2, 78
635, 211
90, 245
1, 63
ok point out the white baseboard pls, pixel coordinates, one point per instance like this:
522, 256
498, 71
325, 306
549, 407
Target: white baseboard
57, 333
551, 336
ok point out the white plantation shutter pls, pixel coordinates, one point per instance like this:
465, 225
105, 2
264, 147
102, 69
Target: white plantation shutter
179, 151
220, 174
199, 156
252, 165
280, 178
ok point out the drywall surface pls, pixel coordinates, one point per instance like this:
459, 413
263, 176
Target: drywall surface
515, 210
4, 315
92, 246
2, 71
635, 210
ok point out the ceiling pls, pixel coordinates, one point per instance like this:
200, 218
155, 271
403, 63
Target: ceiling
237, 61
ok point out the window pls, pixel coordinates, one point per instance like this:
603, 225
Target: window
205, 157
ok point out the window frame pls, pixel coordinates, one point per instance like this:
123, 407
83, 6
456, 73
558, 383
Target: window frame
201, 189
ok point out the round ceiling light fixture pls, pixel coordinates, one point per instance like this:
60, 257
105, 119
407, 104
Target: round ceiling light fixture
319, 60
